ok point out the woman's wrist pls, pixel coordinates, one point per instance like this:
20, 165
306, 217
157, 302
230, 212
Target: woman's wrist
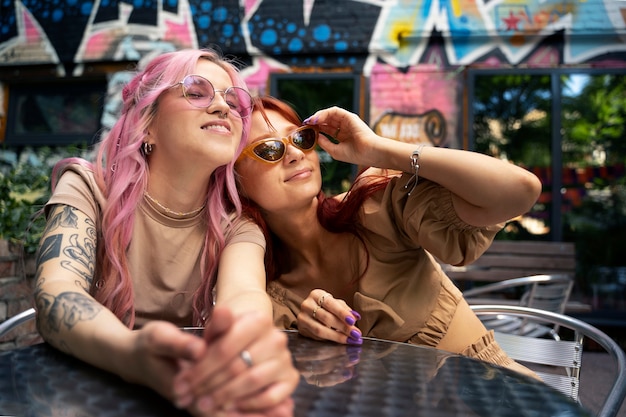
395, 155
414, 163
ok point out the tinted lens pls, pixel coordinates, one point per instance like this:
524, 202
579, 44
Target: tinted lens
239, 101
304, 139
198, 91
271, 150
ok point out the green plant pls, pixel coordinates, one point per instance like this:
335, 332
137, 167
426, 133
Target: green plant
24, 190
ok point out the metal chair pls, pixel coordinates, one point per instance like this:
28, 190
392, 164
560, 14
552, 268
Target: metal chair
544, 292
20, 318
560, 354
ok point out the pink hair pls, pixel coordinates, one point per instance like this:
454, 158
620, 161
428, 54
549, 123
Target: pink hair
121, 171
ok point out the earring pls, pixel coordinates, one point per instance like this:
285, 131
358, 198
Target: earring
147, 148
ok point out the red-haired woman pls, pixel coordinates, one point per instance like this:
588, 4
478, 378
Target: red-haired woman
362, 263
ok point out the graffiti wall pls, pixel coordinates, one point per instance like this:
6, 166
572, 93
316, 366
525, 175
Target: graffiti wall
411, 51
324, 33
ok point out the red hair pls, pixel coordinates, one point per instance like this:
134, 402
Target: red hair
334, 215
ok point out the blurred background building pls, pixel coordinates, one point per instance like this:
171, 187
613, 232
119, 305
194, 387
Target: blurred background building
540, 83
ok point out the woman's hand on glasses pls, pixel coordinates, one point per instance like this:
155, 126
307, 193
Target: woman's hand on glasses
356, 142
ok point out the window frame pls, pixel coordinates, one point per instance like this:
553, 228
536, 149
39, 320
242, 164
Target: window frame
358, 92
17, 90
556, 231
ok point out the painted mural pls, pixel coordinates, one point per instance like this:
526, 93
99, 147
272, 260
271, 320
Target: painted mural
315, 32
411, 51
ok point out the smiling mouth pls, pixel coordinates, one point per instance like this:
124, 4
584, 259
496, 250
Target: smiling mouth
299, 174
220, 128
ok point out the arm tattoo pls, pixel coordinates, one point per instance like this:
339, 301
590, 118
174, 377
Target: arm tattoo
64, 310
62, 218
82, 254
67, 309
50, 248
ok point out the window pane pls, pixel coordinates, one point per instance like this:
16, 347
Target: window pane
594, 185
54, 115
512, 121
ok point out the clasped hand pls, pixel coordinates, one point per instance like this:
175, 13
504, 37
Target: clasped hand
210, 375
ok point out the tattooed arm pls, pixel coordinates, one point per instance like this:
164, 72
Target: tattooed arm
65, 270
70, 319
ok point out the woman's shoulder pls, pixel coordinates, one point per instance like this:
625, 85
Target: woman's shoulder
243, 229
77, 187
73, 170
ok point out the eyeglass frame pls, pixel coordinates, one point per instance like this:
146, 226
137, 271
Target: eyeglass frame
286, 140
215, 91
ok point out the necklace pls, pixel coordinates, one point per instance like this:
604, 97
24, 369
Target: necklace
170, 211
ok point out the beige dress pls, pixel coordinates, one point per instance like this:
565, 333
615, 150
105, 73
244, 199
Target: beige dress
164, 254
404, 295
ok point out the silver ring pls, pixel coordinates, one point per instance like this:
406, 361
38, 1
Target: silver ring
321, 300
246, 358
315, 311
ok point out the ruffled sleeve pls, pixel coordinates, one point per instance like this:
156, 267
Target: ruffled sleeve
427, 219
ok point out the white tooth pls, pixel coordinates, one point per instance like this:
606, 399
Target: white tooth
216, 127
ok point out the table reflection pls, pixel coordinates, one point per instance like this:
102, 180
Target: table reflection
396, 379
376, 379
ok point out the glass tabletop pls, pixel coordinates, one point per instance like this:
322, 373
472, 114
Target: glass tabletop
379, 378
396, 379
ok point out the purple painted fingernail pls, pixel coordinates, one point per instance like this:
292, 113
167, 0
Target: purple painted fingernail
355, 314
350, 320
355, 334
306, 121
355, 341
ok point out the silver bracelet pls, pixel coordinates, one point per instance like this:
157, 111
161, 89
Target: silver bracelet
415, 166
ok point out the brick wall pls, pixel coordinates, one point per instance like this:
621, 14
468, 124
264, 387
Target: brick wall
16, 295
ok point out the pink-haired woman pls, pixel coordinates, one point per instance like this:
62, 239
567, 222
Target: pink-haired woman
134, 240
